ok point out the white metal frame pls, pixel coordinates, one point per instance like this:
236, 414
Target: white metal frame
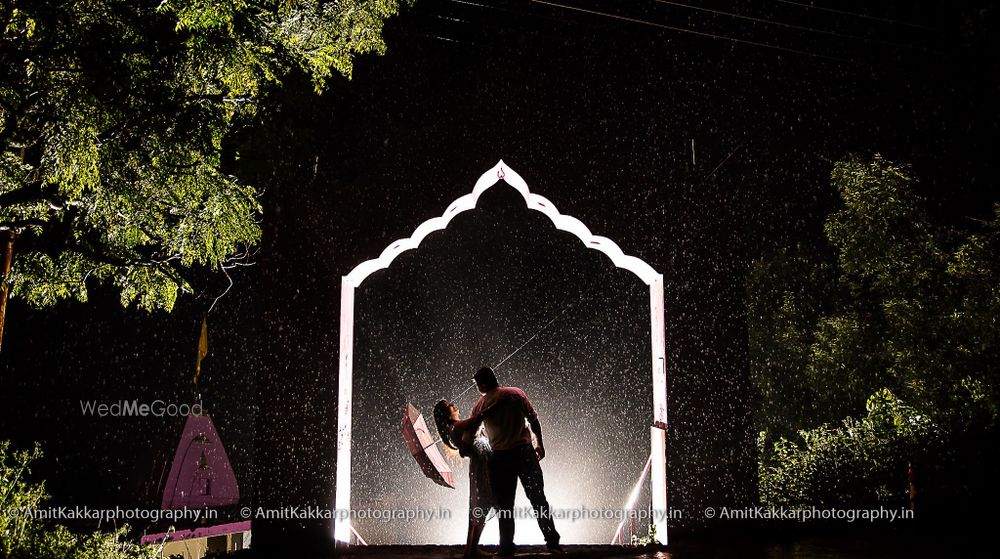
658, 477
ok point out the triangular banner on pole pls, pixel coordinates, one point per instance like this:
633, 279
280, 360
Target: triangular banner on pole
202, 349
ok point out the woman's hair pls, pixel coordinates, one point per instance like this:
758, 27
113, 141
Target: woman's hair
443, 422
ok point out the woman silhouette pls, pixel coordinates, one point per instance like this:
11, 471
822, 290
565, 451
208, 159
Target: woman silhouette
462, 435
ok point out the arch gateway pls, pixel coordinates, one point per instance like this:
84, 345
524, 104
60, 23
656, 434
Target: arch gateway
350, 282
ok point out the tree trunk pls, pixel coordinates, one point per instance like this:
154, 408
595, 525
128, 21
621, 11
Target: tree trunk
7, 237
7, 243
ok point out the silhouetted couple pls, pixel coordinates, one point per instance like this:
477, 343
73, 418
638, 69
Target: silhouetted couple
496, 465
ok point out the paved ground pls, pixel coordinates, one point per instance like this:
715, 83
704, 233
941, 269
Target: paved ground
710, 548
705, 548
523, 552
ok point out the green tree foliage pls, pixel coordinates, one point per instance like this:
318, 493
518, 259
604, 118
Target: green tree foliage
113, 119
891, 301
16, 494
21, 536
901, 276
788, 293
862, 462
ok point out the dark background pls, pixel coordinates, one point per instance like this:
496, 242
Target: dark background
597, 111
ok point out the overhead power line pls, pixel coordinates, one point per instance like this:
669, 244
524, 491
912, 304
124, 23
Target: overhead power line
855, 14
785, 25
691, 31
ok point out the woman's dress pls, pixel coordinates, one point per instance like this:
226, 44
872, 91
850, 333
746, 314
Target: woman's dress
466, 436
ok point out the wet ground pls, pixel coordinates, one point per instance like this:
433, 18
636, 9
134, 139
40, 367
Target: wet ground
830, 548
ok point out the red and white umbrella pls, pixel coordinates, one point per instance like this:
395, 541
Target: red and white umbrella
424, 448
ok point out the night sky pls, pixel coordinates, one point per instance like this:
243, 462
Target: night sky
597, 113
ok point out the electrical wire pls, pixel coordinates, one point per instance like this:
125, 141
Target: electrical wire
786, 25
855, 14
693, 32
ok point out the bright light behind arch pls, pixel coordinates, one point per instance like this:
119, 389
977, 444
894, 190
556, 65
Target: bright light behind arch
348, 284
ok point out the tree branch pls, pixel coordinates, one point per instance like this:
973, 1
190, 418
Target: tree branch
30, 193
20, 223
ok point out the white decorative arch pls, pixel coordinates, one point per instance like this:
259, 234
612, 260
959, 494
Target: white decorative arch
342, 524
534, 201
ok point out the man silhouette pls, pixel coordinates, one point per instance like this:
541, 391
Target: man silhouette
509, 426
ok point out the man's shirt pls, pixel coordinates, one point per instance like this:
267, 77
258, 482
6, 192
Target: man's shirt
506, 424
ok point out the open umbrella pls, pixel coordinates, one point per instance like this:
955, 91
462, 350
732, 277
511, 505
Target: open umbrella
424, 449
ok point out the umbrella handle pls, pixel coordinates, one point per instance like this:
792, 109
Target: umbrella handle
432, 444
